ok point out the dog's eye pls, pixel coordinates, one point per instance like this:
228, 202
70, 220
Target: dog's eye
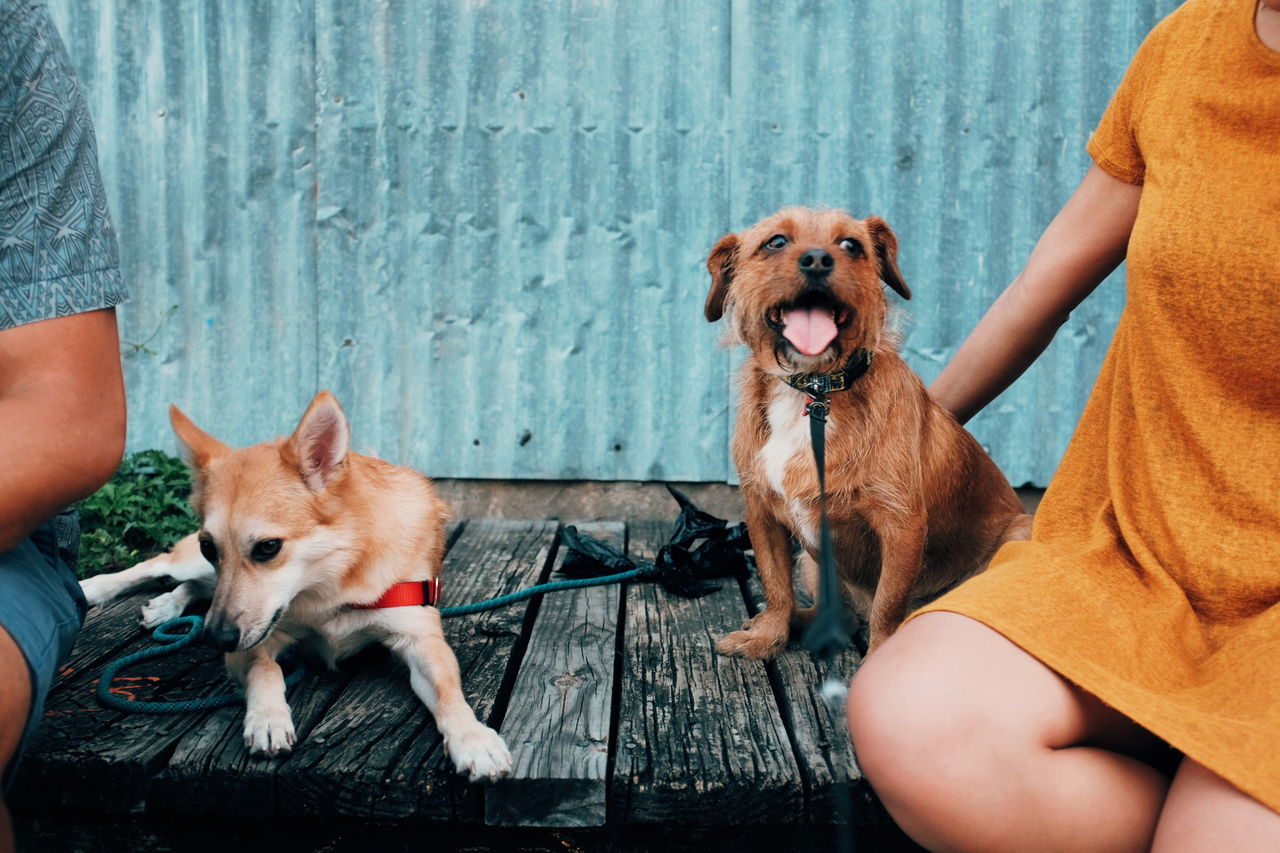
776, 242
852, 246
209, 551
264, 550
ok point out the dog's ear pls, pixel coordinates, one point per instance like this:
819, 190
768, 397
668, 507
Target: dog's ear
319, 445
886, 243
720, 264
201, 451
201, 448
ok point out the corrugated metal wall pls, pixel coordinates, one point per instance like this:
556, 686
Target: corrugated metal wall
482, 223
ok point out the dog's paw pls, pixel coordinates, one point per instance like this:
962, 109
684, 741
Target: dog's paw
762, 636
161, 609
479, 752
752, 644
268, 733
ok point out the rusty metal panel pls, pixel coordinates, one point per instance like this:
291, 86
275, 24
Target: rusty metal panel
482, 222
513, 198
204, 115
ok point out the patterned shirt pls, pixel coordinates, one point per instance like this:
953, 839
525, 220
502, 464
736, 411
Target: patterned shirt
58, 252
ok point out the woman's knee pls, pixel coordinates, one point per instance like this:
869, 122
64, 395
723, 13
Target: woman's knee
905, 708
928, 698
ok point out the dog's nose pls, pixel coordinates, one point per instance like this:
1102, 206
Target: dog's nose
223, 636
816, 262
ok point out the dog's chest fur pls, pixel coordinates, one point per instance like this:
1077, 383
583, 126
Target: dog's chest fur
786, 450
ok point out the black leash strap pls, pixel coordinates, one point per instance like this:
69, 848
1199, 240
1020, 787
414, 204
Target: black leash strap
702, 549
831, 629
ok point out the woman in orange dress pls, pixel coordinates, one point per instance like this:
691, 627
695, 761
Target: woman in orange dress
1020, 711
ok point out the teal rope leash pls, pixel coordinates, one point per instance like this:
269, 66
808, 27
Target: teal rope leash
171, 639
530, 592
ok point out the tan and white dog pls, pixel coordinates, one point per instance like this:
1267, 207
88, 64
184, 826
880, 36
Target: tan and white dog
298, 537
916, 505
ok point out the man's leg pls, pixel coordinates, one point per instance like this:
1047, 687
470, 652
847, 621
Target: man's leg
15, 705
41, 609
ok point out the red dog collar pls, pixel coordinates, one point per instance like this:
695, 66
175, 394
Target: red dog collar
408, 594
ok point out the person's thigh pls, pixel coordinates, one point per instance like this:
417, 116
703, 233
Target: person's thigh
15, 698
973, 744
947, 672
1204, 813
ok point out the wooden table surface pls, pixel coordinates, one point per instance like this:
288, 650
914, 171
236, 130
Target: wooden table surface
616, 707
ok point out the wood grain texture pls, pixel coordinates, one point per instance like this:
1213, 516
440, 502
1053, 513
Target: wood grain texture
700, 737
835, 789
91, 757
557, 721
377, 752
210, 771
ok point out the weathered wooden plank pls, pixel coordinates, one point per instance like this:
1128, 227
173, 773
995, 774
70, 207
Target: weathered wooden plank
91, 757
377, 752
700, 739
835, 789
210, 771
79, 832
107, 629
557, 721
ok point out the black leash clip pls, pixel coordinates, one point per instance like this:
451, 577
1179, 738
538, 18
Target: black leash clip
818, 407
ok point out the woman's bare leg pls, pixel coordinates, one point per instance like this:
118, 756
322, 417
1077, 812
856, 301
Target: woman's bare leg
1205, 813
973, 744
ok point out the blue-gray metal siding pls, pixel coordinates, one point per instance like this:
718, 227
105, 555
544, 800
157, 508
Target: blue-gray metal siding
482, 223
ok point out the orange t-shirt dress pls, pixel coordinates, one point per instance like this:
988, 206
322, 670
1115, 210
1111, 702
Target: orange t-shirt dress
1152, 577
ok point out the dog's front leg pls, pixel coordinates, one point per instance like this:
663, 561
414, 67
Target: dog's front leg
764, 635
902, 540
268, 723
418, 637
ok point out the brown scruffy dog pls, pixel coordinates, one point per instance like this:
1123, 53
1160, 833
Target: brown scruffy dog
915, 504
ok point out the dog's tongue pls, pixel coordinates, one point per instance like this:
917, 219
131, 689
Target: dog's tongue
810, 330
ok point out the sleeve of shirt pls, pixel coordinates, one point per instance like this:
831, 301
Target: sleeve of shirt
58, 253
1116, 143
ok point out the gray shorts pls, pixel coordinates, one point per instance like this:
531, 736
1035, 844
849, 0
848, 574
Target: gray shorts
42, 608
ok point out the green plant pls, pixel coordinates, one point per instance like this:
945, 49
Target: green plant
140, 512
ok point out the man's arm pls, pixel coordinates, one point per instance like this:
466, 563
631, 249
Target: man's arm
1083, 244
62, 416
